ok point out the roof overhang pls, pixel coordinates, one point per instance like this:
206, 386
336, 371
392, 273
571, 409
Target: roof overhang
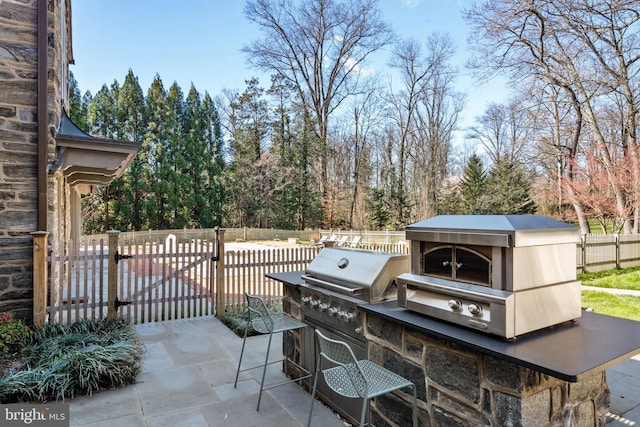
86, 159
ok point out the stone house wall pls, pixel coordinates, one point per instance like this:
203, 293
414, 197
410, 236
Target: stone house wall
19, 143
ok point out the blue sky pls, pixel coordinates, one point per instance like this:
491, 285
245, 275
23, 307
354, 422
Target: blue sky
199, 42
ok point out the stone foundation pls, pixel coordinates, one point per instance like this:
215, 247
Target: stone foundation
292, 340
459, 387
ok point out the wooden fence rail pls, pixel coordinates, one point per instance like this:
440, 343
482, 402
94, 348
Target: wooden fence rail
605, 252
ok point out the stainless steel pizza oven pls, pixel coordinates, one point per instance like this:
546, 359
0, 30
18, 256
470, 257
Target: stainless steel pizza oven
502, 274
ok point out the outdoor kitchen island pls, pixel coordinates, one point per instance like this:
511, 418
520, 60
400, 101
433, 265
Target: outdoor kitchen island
555, 376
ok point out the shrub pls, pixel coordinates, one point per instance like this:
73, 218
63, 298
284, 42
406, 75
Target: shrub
13, 334
237, 322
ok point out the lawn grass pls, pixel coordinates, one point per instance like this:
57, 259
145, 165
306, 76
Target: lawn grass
625, 306
624, 278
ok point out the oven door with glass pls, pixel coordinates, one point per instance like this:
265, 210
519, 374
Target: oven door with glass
469, 264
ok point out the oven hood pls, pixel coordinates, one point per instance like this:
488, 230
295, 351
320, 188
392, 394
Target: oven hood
494, 230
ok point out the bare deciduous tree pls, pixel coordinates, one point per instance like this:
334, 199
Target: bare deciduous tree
321, 46
425, 114
504, 132
587, 49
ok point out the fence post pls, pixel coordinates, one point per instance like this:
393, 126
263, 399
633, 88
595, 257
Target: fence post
112, 274
220, 282
39, 277
617, 241
583, 245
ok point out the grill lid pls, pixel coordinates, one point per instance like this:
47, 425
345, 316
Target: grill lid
367, 275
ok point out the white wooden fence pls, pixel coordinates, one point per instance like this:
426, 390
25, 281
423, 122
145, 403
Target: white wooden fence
163, 276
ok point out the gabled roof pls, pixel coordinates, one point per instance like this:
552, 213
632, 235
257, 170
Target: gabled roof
86, 159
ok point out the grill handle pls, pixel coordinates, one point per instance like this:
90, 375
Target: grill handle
332, 286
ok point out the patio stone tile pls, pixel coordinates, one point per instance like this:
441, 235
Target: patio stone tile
191, 417
155, 357
189, 350
105, 405
220, 372
242, 412
172, 389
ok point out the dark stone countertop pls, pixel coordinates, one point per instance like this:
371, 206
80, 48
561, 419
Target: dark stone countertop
570, 351
289, 278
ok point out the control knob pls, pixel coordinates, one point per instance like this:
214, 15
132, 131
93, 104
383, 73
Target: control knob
323, 306
314, 303
305, 300
475, 309
333, 311
455, 305
348, 317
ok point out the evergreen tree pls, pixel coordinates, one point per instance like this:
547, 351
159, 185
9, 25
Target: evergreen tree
131, 105
249, 128
157, 137
78, 105
194, 151
103, 112
472, 184
507, 191
379, 214
294, 204
103, 121
214, 193
178, 180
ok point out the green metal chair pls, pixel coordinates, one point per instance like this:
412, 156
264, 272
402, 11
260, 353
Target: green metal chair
264, 322
354, 378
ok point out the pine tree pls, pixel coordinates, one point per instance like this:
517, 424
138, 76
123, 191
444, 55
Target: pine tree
102, 119
379, 214
78, 105
507, 191
157, 138
249, 128
294, 203
177, 178
103, 112
214, 192
131, 106
472, 185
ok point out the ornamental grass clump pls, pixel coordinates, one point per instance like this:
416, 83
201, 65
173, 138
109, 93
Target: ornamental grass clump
69, 360
238, 321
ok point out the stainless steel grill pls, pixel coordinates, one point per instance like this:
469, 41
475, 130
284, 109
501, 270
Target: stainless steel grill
336, 282
503, 274
368, 276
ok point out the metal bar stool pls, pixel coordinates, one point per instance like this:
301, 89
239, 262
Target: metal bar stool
262, 321
354, 378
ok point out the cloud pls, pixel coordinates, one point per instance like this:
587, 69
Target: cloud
363, 71
411, 3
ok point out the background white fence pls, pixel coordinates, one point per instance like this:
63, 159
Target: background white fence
173, 274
